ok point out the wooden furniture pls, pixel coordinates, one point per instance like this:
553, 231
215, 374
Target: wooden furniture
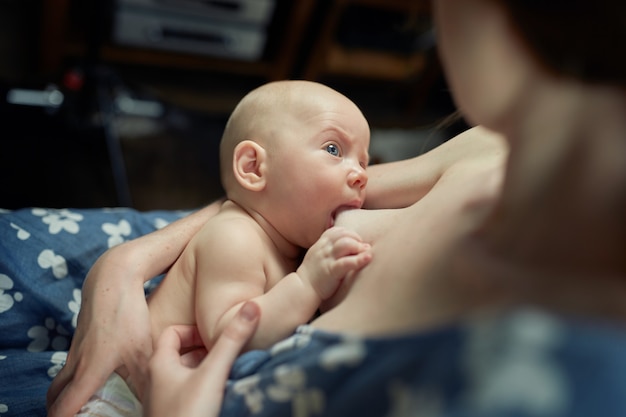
62, 38
303, 43
405, 76
331, 57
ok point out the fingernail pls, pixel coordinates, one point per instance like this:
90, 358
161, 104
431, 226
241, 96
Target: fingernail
250, 311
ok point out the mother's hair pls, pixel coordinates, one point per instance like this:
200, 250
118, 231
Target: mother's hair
578, 38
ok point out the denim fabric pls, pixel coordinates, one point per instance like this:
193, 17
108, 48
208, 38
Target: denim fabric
525, 363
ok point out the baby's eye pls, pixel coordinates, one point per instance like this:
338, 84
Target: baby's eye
333, 149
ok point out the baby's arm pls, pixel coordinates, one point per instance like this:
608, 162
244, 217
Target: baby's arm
295, 299
229, 280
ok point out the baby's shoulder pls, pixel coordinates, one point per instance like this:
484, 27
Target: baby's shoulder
233, 228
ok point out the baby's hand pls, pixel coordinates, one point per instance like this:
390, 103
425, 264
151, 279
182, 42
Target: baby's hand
336, 253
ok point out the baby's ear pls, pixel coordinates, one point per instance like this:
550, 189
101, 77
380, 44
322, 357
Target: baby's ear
249, 160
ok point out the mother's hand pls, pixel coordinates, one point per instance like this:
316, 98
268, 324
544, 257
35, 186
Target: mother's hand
113, 332
177, 387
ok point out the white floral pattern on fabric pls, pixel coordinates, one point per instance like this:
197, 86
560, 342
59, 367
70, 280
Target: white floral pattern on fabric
117, 232
520, 375
291, 386
160, 223
408, 401
58, 360
58, 220
74, 305
48, 335
296, 341
21, 233
6, 299
249, 389
289, 383
48, 259
349, 353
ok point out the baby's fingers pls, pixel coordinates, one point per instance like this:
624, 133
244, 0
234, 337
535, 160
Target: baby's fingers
349, 245
352, 256
337, 233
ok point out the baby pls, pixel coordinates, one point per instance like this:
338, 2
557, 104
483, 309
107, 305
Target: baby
293, 154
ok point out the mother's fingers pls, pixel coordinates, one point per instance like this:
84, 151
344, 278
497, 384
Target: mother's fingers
233, 338
177, 338
173, 341
193, 358
175, 389
181, 343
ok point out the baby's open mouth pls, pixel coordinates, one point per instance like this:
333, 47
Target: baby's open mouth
333, 216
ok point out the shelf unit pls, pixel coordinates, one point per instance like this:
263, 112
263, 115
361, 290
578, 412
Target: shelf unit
57, 44
302, 43
407, 75
330, 57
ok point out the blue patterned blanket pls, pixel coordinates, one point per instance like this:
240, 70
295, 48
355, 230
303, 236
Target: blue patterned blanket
44, 257
524, 364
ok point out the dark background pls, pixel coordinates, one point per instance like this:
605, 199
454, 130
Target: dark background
89, 153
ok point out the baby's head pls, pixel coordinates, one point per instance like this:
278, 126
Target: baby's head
295, 151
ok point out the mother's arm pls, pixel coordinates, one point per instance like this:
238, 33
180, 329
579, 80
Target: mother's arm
113, 329
401, 183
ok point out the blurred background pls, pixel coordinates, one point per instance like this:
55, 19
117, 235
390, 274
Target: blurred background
123, 102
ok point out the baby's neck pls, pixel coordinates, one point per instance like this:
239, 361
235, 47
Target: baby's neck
287, 250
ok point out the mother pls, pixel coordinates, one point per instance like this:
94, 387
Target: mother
548, 76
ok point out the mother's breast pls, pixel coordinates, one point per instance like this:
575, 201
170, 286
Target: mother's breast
408, 284
369, 224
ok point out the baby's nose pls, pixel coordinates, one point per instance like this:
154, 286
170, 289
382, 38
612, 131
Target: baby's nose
358, 178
